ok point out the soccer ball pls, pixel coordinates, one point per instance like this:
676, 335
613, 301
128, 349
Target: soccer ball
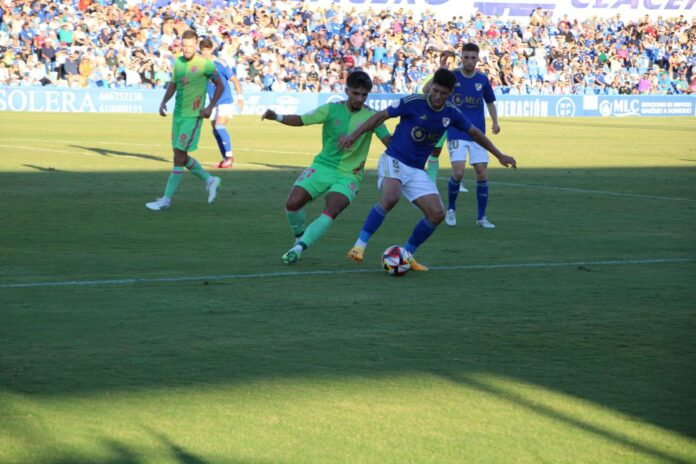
396, 261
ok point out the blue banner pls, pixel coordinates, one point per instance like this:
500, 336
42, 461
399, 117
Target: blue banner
49, 100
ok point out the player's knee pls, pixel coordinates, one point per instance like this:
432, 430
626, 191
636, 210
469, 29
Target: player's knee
436, 216
293, 204
389, 201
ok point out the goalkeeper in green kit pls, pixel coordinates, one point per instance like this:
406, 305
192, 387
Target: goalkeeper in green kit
189, 82
336, 172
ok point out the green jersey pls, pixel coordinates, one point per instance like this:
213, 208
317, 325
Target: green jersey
338, 121
191, 79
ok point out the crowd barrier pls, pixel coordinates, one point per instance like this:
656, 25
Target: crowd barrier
43, 99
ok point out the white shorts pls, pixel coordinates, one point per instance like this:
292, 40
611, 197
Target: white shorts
415, 183
458, 150
226, 110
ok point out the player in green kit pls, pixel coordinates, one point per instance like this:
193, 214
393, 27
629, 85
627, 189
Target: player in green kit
336, 172
190, 80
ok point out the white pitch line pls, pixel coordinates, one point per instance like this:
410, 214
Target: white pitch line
269, 275
597, 192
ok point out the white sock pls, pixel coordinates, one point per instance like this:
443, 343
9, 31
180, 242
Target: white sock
360, 243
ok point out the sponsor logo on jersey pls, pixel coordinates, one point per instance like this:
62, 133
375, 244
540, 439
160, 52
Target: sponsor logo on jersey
418, 134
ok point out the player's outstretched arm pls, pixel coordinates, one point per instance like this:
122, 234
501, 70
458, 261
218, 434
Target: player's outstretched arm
168, 94
480, 138
375, 120
294, 120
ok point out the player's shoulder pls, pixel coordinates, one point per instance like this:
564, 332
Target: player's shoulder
481, 76
452, 107
368, 108
415, 98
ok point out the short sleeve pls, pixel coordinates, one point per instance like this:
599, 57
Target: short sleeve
488, 94
382, 131
316, 116
398, 108
210, 69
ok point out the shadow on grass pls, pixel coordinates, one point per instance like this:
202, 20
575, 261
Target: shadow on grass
576, 422
110, 152
121, 453
621, 338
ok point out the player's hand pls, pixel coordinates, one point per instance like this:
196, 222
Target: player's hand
345, 142
240, 104
508, 161
495, 128
206, 112
163, 109
269, 114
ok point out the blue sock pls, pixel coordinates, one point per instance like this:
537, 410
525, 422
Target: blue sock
223, 139
372, 223
482, 197
221, 147
423, 230
452, 193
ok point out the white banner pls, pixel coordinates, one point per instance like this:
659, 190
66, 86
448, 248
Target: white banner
521, 9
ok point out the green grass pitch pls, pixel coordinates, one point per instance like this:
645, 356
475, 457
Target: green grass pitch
565, 335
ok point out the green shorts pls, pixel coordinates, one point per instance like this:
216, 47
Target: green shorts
318, 179
186, 132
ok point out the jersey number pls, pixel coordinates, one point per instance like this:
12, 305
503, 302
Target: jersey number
306, 174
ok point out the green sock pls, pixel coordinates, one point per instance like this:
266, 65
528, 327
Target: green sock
296, 219
173, 181
316, 229
196, 169
433, 167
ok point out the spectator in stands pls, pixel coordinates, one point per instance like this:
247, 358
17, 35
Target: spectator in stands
71, 69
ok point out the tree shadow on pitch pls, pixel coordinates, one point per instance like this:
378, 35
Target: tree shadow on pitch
579, 333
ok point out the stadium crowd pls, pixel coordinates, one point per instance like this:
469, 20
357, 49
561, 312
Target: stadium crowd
299, 47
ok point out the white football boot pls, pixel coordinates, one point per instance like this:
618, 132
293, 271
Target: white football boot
159, 204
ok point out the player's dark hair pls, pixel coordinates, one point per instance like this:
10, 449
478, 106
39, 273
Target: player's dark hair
470, 47
358, 79
445, 78
206, 43
189, 34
